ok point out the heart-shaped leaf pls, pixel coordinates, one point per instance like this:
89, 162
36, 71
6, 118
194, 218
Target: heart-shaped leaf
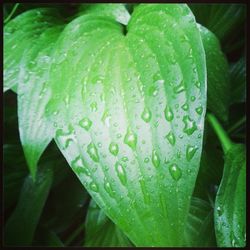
230, 212
129, 114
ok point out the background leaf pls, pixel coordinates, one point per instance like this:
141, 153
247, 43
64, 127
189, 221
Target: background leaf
101, 231
200, 226
230, 212
20, 227
112, 139
218, 87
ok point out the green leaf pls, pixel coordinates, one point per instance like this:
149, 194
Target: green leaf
27, 28
46, 237
218, 88
64, 206
100, 231
32, 61
115, 11
15, 171
200, 226
238, 81
129, 115
20, 227
221, 19
230, 204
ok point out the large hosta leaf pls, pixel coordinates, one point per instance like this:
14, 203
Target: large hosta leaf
128, 112
30, 61
230, 212
218, 86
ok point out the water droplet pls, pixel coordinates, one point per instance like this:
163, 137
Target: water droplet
175, 172
124, 158
171, 138
179, 88
79, 167
219, 210
65, 138
85, 123
146, 160
198, 84
108, 188
190, 125
153, 91
106, 118
199, 110
93, 106
66, 100
93, 187
155, 159
130, 139
190, 152
185, 106
169, 115
92, 151
192, 98
146, 196
113, 148
121, 173
146, 115
118, 136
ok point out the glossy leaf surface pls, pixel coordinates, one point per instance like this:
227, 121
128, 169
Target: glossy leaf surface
128, 113
230, 205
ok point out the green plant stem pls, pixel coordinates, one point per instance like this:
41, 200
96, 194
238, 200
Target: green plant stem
220, 132
11, 13
237, 124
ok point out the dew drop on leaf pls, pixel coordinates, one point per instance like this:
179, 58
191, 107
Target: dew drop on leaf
79, 167
155, 159
93, 186
179, 88
93, 106
175, 172
199, 110
65, 138
121, 173
130, 139
171, 138
113, 148
190, 152
185, 107
169, 115
190, 125
92, 151
146, 115
85, 123
108, 188
219, 210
